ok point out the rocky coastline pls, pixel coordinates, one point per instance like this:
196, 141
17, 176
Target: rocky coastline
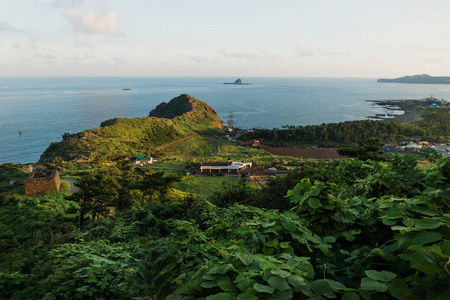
392, 106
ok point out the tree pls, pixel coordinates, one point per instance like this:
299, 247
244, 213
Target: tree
155, 182
96, 193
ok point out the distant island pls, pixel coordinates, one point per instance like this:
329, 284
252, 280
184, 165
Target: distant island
238, 81
421, 79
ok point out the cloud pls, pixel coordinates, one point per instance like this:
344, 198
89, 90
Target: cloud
326, 51
311, 51
81, 41
431, 13
204, 60
257, 56
427, 47
119, 60
49, 55
89, 55
376, 60
32, 43
253, 56
91, 22
300, 51
4, 26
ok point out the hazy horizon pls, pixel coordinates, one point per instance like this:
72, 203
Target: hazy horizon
315, 39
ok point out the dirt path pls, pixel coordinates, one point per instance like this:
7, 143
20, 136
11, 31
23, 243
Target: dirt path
216, 149
71, 182
174, 142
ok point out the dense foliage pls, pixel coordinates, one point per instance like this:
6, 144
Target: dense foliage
434, 125
353, 230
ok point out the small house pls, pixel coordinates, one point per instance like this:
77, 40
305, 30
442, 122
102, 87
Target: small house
250, 143
141, 160
260, 175
229, 167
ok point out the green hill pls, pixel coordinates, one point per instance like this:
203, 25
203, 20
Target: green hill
421, 79
121, 137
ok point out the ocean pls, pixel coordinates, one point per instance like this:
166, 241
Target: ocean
45, 108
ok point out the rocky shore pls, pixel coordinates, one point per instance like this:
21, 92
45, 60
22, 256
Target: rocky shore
393, 106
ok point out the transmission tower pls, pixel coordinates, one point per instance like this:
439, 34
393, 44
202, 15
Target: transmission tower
231, 121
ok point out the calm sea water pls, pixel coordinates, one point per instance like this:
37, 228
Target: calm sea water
44, 108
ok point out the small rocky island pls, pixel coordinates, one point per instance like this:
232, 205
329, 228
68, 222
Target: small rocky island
238, 81
419, 79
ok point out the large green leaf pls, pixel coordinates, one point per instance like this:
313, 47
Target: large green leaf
289, 225
421, 262
427, 223
221, 296
398, 288
321, 287
245, 284
281, 273
263, 288
384, 276
350, 296
245, 258
370, 284
314, 203
393, 213
247, 296
209, 284
426, 237
278, 283
227, 286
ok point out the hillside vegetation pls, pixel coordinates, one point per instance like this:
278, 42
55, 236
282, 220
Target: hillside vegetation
434, 125
422, 79
350, 229
121, 137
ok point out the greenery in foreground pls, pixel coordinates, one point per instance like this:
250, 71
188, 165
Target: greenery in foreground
352, 230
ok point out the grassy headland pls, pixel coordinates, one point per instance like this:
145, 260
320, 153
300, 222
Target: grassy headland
119, 138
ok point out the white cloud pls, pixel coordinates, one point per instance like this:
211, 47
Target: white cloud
253, 56
4, 26
300, 51
89, 55
257, 56
326, 51
49, 55
427, 47
431, 13
203, 59
91, 22
81, 41
32, 43
119, 60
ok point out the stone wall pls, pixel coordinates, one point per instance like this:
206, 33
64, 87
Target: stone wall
38, 182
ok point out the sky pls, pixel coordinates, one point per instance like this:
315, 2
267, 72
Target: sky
251, 38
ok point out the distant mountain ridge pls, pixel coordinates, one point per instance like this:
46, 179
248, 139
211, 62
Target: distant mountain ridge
117, 138
420, 79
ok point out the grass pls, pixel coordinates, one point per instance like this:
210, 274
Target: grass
237, 152
197, 146
204, 186
170, 164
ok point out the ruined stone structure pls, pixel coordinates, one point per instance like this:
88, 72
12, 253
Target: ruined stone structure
38, 182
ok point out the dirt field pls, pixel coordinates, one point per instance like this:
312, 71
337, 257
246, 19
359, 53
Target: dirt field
317, 153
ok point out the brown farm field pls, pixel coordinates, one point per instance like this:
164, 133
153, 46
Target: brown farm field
316, 153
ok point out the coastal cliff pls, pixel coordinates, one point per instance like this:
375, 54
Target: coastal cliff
419, 79
123, 137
